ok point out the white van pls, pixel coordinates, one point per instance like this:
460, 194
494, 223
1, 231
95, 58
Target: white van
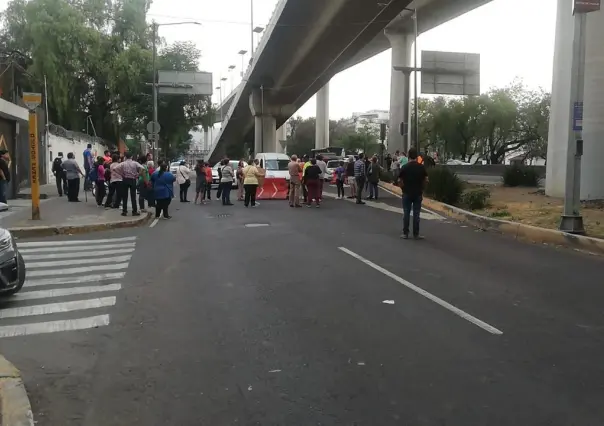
274, 163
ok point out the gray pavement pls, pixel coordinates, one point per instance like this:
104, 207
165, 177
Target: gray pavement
219, 323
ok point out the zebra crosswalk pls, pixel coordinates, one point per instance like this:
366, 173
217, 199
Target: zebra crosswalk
70, 285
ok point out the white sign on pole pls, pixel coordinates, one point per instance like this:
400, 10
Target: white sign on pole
450, 73
184, 83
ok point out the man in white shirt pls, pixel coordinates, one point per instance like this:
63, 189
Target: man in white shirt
323, 166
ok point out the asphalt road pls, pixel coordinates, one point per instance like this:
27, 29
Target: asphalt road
221, 323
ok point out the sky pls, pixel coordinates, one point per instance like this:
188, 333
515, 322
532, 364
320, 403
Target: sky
514, 37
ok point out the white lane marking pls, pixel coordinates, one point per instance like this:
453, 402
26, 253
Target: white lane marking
58, 292
425, 214
54, 326
70, 271
424, 293
72, 262
73, 242
78, 254
154, 222
74, 280
423, 209
53, 308
75, 248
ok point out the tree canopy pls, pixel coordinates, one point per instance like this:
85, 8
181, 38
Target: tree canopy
97, 59
342, 133
510, 120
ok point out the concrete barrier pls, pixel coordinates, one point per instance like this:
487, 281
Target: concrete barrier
517, 230
487, 170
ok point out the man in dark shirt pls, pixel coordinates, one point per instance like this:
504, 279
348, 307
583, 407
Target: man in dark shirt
412, 178
4, 174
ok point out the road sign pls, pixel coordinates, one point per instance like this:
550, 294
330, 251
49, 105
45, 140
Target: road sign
450, 73
32, 100
586, 6
153, 127
184, 83
578, 116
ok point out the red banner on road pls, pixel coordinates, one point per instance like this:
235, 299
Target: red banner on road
273, 189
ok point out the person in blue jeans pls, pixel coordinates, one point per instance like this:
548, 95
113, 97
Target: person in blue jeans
412, 178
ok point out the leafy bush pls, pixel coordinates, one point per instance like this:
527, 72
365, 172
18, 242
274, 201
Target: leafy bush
444, 185
476, 199
521, 176
500, 213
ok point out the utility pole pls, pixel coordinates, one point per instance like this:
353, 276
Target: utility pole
155, 136
571, 220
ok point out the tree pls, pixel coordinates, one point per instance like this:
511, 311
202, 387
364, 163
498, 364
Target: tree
492, 126
302, 138
96, 57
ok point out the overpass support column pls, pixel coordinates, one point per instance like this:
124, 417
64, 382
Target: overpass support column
322, 118
592, 172
400, 94
282, 138
265, 123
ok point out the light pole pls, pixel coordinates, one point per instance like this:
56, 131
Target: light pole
155, 27
571, 220
231, 68
256, 30
415, 78
242, 53
219, 88
252, 26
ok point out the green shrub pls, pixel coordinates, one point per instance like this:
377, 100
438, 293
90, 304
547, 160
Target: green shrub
521, 176
444, 185
476, 199
500, 213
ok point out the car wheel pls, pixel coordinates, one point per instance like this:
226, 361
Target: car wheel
21, 269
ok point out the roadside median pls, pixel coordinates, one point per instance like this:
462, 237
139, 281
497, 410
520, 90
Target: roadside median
517, 230
15, 409
59, 217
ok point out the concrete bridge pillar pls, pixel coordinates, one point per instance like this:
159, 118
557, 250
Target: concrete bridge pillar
265, 123
322, 118
592, 172
281, 139
400, 94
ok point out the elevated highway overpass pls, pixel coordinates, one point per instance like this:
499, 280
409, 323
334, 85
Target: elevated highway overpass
305, 44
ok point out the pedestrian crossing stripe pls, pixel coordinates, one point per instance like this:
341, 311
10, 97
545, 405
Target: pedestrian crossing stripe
65, 280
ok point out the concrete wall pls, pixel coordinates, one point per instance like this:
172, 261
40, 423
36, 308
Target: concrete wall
60, 144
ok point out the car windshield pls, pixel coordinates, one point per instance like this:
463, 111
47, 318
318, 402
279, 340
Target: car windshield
276, 164
333, 164
175, 164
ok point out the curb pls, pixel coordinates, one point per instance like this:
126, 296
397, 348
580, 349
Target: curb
47, 231
15, 409
519, 231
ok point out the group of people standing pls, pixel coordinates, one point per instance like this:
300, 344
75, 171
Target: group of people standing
115, 180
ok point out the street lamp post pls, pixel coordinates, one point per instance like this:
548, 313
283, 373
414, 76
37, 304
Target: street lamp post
415, 79
231, 68
252, 26
242, 53
155, 26
571, 220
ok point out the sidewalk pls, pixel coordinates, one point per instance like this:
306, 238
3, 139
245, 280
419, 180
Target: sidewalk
58, 216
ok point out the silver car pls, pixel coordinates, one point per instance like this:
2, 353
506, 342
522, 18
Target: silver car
12, 265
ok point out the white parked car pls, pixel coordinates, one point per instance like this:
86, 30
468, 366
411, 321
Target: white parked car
174, 167
332, 165
215, 175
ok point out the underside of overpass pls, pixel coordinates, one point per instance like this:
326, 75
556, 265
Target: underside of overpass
305, 45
